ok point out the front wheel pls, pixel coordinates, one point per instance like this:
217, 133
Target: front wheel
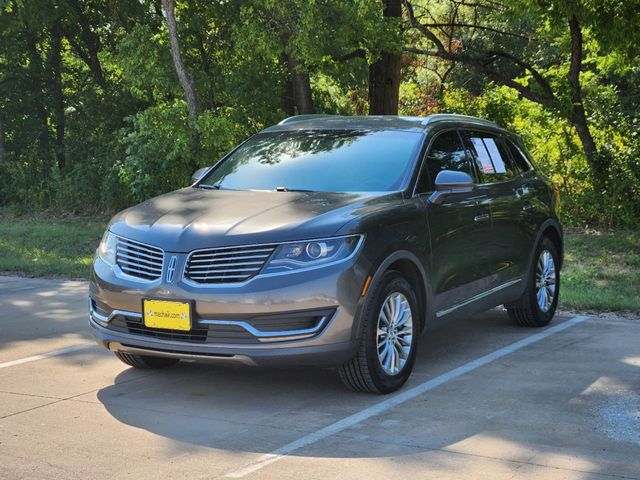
389, 339
538, 304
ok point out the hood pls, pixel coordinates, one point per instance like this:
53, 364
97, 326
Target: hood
193, 218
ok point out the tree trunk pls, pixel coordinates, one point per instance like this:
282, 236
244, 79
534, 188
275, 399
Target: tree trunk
287, 100
186, 80
57, 95
37, 89
300, 85
3, 151
384, 74
578, 117
87, 45
90, 58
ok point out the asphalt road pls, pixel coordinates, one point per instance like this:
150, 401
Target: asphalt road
487, 400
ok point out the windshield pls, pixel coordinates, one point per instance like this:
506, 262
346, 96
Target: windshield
326, 161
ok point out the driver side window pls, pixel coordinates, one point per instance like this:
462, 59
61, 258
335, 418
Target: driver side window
447, 152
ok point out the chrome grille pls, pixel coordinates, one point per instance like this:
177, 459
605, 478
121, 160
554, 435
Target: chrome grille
227, 264
139, 259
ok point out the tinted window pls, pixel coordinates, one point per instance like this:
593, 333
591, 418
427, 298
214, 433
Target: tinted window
518, 156
446, 153
491, 156
329, 161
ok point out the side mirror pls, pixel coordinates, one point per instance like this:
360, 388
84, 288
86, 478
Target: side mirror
450, 182
199, 174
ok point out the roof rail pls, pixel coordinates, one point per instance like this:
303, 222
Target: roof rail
443, 117
300, 118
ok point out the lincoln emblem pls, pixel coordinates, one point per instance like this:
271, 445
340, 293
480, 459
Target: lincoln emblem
171, 269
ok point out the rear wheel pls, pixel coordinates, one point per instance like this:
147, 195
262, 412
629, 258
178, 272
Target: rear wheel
538, 304
145, 361
389, 339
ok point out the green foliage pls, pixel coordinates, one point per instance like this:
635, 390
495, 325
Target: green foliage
158, 155
556, 149
94, 118
144, 63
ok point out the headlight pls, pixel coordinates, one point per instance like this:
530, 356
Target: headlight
107, 248
313, 253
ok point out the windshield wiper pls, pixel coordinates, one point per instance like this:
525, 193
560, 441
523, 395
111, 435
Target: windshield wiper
209, 187
285, 189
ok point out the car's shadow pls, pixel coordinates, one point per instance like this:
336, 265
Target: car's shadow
209, 403
246, 409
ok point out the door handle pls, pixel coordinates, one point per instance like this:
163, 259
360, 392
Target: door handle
483, 217
527, 207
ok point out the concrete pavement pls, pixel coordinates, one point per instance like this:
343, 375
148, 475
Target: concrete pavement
566, 406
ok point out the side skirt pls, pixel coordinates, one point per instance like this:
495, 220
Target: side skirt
478, 297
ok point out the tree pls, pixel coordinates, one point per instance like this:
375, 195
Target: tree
511, 63
3, 151
384, 73
186, 80
58, 115
78, 20
126, 98
286, 24
300, 84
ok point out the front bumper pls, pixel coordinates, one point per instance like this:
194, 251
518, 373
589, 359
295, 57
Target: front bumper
304, 318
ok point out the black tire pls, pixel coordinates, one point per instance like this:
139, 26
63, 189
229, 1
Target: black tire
364, 372
145, 361
526, 311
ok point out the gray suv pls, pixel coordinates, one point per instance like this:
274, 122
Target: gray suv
331, 241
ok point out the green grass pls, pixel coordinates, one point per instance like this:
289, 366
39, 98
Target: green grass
48, 247
602, 270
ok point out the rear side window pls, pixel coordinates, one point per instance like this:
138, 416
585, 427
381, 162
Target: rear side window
492, 157
445, 153
519, 158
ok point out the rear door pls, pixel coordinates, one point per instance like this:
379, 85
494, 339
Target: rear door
500, 179
460, 227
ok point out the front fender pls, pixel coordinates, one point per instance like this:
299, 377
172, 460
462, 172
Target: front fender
377, 271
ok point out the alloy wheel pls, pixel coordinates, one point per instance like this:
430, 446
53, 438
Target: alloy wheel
545, 280
394, 333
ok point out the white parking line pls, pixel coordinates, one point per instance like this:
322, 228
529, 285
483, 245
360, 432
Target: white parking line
397, 399
42, 356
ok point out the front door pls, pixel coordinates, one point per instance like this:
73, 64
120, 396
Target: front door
460, 228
